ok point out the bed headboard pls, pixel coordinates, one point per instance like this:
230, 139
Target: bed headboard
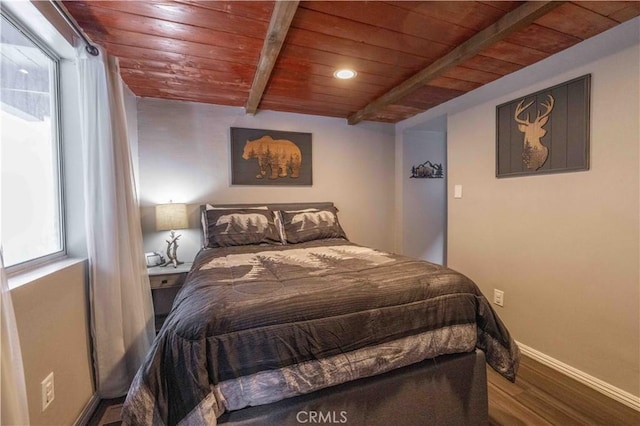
275, 206
270, 206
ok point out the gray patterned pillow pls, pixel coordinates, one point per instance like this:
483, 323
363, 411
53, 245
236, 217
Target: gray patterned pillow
235, 227
311, 224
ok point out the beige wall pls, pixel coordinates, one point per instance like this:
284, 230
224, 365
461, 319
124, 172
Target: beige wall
184, 153
51, 315
564, 247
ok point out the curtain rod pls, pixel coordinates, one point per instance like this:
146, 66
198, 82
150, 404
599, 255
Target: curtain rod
90, 48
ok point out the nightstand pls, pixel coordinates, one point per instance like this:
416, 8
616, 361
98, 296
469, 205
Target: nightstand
165, 282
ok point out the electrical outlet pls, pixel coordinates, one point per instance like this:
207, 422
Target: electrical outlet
48, 393
498, 297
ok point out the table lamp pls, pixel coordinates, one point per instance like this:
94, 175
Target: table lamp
170, 217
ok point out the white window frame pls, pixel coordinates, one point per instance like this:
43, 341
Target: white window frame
56, 121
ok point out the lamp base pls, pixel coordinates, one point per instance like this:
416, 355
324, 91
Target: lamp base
173, 262
172, 248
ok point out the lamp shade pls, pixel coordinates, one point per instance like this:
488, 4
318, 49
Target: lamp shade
171, 216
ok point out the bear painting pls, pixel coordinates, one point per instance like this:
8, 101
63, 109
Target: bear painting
277, 158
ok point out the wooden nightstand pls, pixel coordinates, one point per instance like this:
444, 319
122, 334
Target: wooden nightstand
165, 282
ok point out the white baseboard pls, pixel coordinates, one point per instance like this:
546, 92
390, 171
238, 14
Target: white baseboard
604, 388
88, 411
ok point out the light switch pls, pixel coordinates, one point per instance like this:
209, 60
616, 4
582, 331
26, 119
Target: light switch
457, 191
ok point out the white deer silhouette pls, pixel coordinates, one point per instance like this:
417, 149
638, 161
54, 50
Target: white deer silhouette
534, 153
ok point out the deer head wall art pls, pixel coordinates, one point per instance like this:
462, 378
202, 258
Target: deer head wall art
544, 132
534, 153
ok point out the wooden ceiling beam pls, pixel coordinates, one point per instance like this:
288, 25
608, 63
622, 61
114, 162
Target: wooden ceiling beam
511, 22
281, 18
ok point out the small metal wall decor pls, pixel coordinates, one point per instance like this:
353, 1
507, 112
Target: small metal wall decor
427, 170
270, 157
544, 132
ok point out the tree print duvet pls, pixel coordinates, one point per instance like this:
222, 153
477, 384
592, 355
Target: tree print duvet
256, 324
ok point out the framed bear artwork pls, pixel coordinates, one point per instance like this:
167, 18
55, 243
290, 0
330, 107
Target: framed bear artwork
270, 157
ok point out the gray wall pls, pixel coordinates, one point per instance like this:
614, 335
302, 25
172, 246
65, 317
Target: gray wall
184, 151
424, 208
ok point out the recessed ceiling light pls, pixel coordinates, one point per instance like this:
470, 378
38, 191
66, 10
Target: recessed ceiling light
23, 71
345, 74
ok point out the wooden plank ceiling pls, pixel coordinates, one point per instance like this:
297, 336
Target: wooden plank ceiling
409, 56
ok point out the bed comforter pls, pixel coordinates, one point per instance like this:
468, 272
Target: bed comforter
256, 324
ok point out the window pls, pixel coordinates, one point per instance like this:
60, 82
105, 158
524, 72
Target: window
31, 194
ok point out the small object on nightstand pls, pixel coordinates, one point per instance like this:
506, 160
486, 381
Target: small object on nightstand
154, 259
165, 284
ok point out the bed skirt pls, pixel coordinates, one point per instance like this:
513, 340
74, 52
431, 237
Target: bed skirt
447, 390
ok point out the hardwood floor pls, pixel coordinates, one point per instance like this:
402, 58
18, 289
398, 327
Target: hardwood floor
540, 396
107, 413
543, 396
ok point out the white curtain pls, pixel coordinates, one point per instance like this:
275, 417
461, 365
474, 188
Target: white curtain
121, 307
13, 394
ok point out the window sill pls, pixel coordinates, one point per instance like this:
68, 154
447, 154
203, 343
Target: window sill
26, 277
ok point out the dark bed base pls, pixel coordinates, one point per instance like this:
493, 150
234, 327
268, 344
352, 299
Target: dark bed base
448, 390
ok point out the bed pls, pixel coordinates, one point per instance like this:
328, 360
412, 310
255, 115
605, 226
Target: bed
283, 320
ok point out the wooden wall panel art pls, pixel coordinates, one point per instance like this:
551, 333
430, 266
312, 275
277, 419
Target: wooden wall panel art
270, 157
545, 132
